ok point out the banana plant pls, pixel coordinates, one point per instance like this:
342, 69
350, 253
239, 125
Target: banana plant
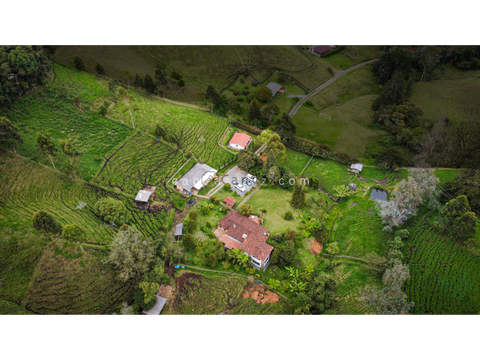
274, 284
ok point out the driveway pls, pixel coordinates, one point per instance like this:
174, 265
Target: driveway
235, 176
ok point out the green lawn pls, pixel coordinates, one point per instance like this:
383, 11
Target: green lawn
324, 131
271, 198
296, 161
329, 172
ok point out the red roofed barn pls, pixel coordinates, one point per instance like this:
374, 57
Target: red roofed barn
246, 233
239, 141
320, 49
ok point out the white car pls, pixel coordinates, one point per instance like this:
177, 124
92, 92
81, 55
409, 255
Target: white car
251, 178
240, 188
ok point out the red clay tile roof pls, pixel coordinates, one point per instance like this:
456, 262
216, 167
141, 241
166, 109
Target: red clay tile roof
230, 201
322, 48
247, 233
240, 139
230, 243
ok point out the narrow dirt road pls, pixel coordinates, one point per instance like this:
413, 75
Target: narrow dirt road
324, 85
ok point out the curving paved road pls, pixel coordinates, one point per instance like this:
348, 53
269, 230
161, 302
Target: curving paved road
299, 104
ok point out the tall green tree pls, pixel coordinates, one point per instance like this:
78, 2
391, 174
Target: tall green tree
8, 132
285, 124
148, 84
138, 82
264, 94
211, 94
298, 195
275, 144
457, 219
254, 110
270, 162
221, 106
99, 69
111, 210
131, 253
78, 63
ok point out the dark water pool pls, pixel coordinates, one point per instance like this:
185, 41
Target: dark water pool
378, 194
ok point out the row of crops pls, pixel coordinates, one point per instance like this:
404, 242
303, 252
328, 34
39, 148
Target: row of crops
68, 281
26, 187
444, 274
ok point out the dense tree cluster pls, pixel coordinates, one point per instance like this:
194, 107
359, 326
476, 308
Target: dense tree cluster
457, 219
21, 69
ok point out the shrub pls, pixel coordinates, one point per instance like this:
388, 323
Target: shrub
99, 69
73, 233
288, 215
246, 127
103, 110
242, 80
240, 99
236, 92
205, 209
123, 227
309, 103
191, 226
217, 201
139, 299
111, 210
193, 215
211, 206
330, 70
211, 260
43, 221
78, 63
227, 187
245, 91
212, 199
188, 242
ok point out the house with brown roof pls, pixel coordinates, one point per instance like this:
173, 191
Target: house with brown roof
320, 49
240, 232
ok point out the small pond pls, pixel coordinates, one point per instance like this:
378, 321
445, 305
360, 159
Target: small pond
378, 194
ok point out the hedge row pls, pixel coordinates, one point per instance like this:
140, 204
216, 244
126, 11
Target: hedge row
320, 150
335, 50
246, 127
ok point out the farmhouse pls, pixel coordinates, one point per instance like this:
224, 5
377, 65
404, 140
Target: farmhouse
199, 176
356, 168
239, 141
320, 49
274, 87
246, 233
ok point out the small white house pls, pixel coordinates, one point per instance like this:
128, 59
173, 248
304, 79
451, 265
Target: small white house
239, 141
143, 196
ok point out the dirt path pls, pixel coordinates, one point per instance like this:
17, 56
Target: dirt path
299, 104
348, 257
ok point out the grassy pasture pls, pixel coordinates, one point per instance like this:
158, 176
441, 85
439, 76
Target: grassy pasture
353, 54
330, 173
199, 65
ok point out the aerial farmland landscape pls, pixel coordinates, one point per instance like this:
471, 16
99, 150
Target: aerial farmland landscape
320, 179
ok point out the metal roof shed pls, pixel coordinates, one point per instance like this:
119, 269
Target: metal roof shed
274, 87
157, 308
179, 230
143, 196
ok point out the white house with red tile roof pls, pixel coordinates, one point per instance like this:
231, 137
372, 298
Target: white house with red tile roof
239, 141
246, 233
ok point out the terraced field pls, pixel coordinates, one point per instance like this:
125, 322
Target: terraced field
26, 187
444, 274
69, 281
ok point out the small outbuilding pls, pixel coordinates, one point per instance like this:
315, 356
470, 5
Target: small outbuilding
157, 308
356, 168
320, 49
230, 201
143, 196
352, 186
179, 229
274, 87
194, 180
